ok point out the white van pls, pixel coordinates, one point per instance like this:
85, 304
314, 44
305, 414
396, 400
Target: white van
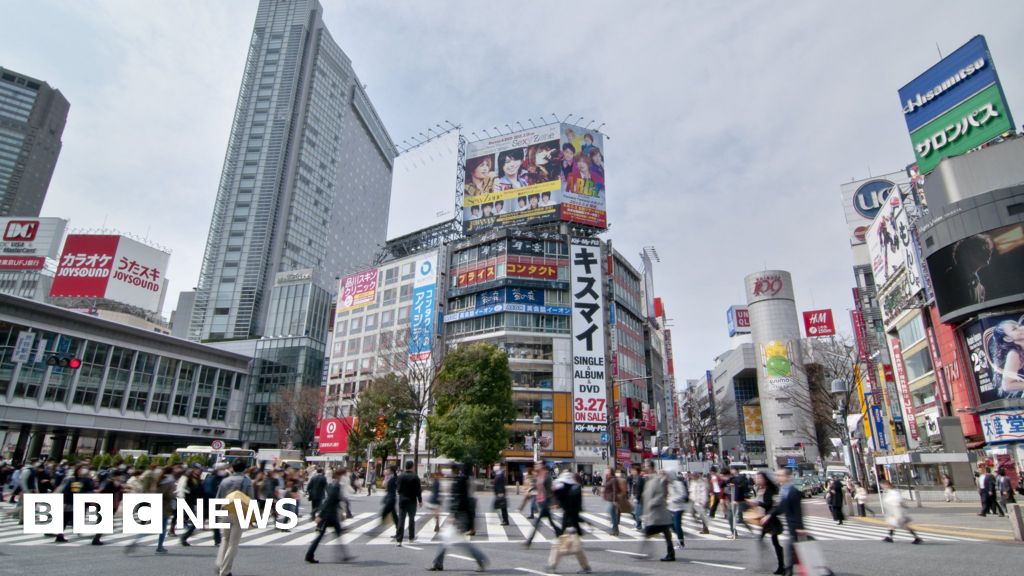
838, 470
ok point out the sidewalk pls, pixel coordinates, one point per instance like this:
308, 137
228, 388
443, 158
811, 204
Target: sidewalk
954, 519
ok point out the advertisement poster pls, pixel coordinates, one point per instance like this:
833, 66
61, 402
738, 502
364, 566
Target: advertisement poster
819, 323
334, 435
475, 275
776, 362
111, 267
892, 246
28, 242
979, 269
753, 425
900, 371
996, 347
541, 174
424, 304
517, 268
588, 319
862, 200
357, 290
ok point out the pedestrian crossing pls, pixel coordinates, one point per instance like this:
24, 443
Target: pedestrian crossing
368, 528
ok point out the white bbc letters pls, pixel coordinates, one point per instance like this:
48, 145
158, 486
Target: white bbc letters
93, 513
43, 513
141, 513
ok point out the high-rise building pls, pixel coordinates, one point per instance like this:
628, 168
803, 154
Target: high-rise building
306, 179
32, 117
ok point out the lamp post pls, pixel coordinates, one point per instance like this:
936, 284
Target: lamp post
839, 390
536, 438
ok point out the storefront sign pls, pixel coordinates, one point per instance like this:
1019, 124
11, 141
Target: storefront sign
1003, 425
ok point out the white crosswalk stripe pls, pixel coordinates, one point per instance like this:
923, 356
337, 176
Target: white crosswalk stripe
367, 528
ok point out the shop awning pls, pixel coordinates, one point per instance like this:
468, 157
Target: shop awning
924, 458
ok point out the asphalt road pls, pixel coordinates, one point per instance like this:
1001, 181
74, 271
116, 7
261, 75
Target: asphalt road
853, 549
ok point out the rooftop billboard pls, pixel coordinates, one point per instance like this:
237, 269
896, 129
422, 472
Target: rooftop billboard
111, 267
543, 174
862, 199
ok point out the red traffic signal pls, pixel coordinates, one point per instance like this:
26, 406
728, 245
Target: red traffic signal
63, 361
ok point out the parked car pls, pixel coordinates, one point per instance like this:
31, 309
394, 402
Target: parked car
803, 484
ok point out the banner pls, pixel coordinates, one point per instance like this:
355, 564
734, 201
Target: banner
900, 371
588, 319
357, 290
111, 267
334, 435
424, 304
994, 344
819, 323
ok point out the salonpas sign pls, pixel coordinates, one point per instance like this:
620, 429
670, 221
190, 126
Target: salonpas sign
956, 105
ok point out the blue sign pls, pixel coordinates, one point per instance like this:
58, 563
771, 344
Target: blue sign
868, 199
791, 462
499, 308
878, 427
604, 437
510, 295
952, 80
424, 303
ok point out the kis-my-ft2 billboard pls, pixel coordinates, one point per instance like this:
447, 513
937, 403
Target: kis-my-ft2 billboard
956, 105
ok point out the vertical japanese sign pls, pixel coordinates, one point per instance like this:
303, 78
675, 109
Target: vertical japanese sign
589, 392
357, 290
901, 382
424, 299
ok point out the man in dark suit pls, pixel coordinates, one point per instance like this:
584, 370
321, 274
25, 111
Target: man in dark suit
329, 516
500, 498
789, 507
461, 507
410, 494
316, 490
987, 492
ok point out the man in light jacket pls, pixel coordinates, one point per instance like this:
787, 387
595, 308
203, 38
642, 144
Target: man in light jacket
656, 517
238, 481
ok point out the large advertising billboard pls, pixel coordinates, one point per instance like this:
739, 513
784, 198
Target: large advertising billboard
111, 267
979, 269
819, 323
955, 105
862, 199
424, 309
543, 174
738, 320
357, 290
590, 412
996, 346
28, 242
895, 257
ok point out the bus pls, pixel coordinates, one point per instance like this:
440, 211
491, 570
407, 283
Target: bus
211, 457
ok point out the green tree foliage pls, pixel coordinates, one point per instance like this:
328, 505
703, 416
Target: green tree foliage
386, 417
472, 404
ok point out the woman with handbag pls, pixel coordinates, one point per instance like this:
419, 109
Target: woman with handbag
766, 491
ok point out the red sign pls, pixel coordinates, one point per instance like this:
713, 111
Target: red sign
476, 275
819, 323
518, 269
334, 435
21, 230
904, 386
742, 318
85, 266
22, 262
768, 285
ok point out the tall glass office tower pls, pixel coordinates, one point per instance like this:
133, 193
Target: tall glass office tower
307, 174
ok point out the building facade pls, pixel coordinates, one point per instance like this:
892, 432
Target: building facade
135, 388
32, 118
306, 179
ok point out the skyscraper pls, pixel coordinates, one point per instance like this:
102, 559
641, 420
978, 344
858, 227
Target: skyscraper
32, 117
307, 174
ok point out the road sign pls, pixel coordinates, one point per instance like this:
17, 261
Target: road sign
604, 438
791, 462
217, 444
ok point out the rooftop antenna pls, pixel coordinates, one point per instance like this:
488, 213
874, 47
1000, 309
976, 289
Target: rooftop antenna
509, 128
591, 123
530, 120
518, 123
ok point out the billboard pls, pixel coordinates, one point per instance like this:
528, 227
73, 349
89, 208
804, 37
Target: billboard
524, 268
424, 305
334, 435
982, 268
996, 347
862, 199
738, 319
588, 318
111, 267
819, 323
955, 105
753, 425
900, 371
28, 242
777, 363
542, 174
357, 290
1003, 425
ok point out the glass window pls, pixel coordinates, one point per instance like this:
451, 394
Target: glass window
911, 333
340, 327
94, 360
117, 378
918, 364
387, 318
371, 322
356, 325
142, 378
405, 293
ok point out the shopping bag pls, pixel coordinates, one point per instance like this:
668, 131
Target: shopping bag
810, 558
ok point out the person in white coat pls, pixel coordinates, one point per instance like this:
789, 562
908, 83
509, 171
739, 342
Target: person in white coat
895, 513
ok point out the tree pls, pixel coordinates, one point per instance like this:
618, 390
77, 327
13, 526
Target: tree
825, 360
295, 414
472, 404
385, 417
703, 422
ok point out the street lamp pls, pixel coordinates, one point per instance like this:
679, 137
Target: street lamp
536, 438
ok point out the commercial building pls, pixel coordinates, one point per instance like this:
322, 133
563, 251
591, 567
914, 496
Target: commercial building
740, 428
135, 388
32, 117
306, 178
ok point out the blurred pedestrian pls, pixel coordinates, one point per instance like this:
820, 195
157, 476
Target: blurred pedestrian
699, 498
791, 509
329, 515
459, 523
678, 498
410, 494
656, 517
895, 513
765, 492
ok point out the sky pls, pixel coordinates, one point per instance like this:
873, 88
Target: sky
730, 125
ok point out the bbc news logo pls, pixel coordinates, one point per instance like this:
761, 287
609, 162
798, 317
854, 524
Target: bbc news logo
21, 230
140, 513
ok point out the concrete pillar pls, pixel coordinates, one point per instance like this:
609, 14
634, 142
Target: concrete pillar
35, 447
109, 441
22, 444
73, 445
59, 439
781, 380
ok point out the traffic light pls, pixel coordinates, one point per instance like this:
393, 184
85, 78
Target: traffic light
63, 361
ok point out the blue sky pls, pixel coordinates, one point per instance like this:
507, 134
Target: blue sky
731, 125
